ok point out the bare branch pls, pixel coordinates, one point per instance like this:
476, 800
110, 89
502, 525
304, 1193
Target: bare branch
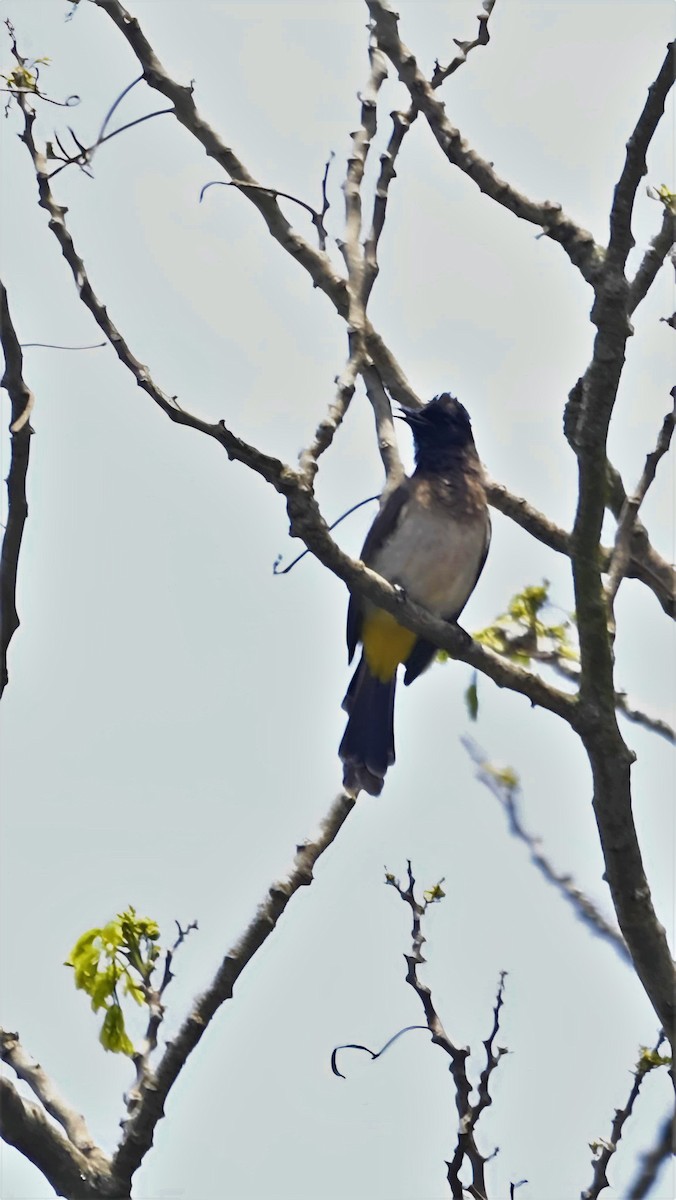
621, 237
506, 791
21, 400
607, 1147
654, 724
469, 1112
587, 420
401, 123
621, 552
387, 442
138, 1132
317, 217
71, 1173
329, 425
652, 260
316, 263
361, 143
54, 346
578, 243
85, 154
646, 564
482, 39
73, 1123
305, 518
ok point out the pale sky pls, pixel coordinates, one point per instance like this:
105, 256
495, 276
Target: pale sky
171, 725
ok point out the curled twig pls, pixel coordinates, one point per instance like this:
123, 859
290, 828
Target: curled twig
374, 1053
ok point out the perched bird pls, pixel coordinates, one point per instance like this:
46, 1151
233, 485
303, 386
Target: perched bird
430, 538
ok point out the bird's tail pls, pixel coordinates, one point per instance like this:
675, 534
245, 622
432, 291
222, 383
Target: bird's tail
367, 748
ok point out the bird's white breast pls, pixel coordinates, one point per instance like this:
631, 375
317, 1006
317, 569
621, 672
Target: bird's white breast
433, 557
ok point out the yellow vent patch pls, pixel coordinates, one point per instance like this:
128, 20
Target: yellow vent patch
386, 644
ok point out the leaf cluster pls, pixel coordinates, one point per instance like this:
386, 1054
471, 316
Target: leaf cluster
521, 635
116, 959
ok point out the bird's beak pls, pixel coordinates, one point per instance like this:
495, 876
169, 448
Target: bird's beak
412, 416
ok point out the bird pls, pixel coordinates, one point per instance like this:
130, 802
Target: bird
430, 538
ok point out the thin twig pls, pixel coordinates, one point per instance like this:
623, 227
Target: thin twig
506, 791
52, 346
86, 153
317, 217
606, 1148
652, 260
621, 552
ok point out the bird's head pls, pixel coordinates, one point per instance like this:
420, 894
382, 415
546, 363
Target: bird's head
444, 422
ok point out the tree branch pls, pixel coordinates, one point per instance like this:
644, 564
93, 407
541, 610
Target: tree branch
621, 552
72, 1122
21, 401
315, 262
306, 520
401, 123
138, 1132
577, 243
621, 236
646, 564
652, 260
593, 401
607, 1148
506, 791
469, 1111
71, 1173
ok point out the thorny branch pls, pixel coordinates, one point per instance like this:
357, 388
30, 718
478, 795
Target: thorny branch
604, 1149
21, 401
469, 1111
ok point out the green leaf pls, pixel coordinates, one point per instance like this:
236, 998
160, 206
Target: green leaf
649, 1059
507, 776
113, 1035
472, 699
434, 894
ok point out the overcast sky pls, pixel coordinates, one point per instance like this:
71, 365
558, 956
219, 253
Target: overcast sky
173, 715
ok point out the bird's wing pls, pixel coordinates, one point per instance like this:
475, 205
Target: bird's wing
381, 528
